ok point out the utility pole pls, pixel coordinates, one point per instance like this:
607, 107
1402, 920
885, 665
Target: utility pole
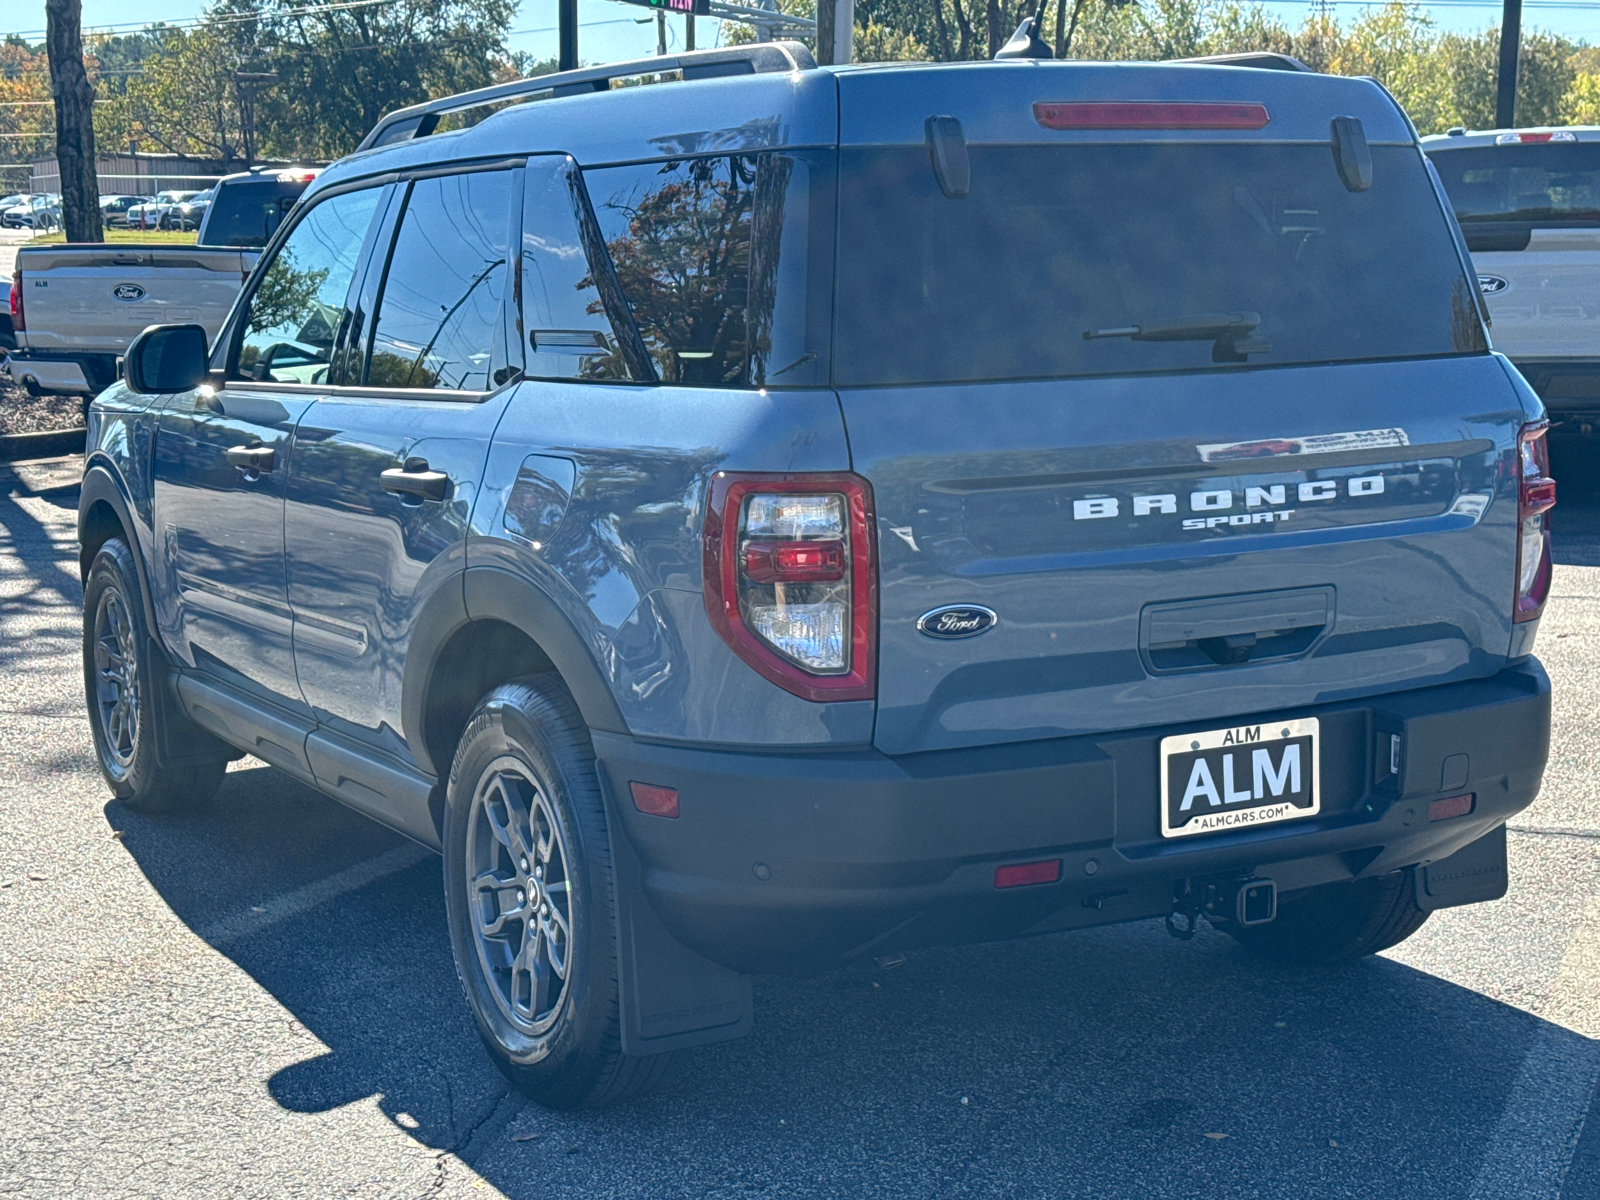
250, 83
567, 19
835, 31
688, 31
661, 32
1505, 104
74, 100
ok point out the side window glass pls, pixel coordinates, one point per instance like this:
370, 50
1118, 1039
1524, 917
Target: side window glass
564, 321
679, 237
299, 305
438, 322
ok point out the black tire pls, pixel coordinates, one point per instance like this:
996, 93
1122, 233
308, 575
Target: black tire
120, 676
529, 884
1338, 921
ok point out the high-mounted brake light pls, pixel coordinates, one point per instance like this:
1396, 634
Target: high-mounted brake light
1536, 496
17, 324
1533, 139
1149, 114
791, 580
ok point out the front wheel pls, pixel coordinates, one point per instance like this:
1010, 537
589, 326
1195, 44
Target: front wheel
1338, 921
120, 677
531, 900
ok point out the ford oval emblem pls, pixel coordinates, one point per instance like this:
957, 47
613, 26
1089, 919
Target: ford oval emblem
957, 621
1491, 285
128, 291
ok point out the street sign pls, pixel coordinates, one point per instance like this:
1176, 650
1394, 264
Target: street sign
700, 8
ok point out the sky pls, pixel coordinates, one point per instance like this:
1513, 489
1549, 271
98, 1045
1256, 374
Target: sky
610, 31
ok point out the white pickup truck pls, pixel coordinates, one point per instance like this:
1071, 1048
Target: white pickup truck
77, 306
1528, 201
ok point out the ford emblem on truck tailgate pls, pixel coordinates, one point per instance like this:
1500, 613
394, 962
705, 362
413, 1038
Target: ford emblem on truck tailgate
1491, 285
128, 291
957, 621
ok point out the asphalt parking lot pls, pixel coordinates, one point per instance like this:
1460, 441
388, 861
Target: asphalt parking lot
258, 1001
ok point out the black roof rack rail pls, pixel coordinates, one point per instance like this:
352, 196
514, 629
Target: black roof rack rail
755, 58
1267, 60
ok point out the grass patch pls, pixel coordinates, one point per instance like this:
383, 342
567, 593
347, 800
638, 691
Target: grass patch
150, 237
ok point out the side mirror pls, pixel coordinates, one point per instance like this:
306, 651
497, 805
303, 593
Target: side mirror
166, 358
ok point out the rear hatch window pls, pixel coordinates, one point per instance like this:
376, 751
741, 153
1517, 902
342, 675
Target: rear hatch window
247, 213
1052, 242
1553, 184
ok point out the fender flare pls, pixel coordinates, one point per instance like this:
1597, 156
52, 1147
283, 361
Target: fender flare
492, 594
99, 484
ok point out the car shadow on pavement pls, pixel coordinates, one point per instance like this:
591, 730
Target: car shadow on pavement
1108, 1063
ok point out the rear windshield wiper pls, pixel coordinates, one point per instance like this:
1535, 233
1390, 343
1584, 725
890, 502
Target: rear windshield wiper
1233, 335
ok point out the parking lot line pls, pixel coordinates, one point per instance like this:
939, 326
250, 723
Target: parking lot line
1531, 1148
320, 891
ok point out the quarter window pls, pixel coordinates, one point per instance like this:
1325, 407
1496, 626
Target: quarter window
298, 307
439, 321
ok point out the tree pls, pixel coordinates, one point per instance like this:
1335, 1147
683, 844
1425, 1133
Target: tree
185, 100
74, 104
341, 68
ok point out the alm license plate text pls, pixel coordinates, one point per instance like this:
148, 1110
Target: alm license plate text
1239, 778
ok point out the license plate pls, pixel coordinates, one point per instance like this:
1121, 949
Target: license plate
1239, 778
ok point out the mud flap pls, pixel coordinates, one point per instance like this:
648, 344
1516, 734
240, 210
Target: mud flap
1473, 874
179, 741
671, 997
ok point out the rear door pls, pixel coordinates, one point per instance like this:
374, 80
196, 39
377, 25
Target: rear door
388, 463
1303, 496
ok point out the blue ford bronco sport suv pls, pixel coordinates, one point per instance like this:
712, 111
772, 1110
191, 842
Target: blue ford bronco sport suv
782, 515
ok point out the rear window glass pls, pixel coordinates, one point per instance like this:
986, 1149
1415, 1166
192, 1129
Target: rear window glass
1052, 242
1557, 182
247, 213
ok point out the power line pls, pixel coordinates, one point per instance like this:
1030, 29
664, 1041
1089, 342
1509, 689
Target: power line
231, 18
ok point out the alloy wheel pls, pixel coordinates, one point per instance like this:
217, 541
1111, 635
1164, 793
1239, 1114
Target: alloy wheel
519, 897
116, 674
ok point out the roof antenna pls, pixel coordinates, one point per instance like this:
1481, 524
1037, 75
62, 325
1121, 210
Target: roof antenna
1025, 42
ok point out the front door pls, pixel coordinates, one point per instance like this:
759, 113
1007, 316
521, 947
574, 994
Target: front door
223, 457
386, 469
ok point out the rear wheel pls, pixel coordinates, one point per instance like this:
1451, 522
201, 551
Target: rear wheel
120, 677
531, 900
1338, 921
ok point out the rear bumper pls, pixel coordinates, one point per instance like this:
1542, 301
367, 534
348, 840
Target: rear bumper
83, 373
795, 862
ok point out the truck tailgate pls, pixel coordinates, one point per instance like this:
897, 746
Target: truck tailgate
97, 299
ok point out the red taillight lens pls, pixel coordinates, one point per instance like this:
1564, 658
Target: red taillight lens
794, 562
1148, 114
1536, 496
17, 324
791, 580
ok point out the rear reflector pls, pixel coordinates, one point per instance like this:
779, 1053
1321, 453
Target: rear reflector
1022, 874
1148, 114
1450, 806
656, 801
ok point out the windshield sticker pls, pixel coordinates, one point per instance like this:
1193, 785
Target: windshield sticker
1322, 443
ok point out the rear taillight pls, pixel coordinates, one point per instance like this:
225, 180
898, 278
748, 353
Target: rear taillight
1536, 496
17, 325
791, 580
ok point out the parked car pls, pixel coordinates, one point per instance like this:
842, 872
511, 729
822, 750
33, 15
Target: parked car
247, 208
8, 338
189, 213
153, 212
37, 212
114, 209
1528, 201
757, 551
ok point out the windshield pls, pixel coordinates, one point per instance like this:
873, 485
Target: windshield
248, 212
1550, 183
1054, 241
